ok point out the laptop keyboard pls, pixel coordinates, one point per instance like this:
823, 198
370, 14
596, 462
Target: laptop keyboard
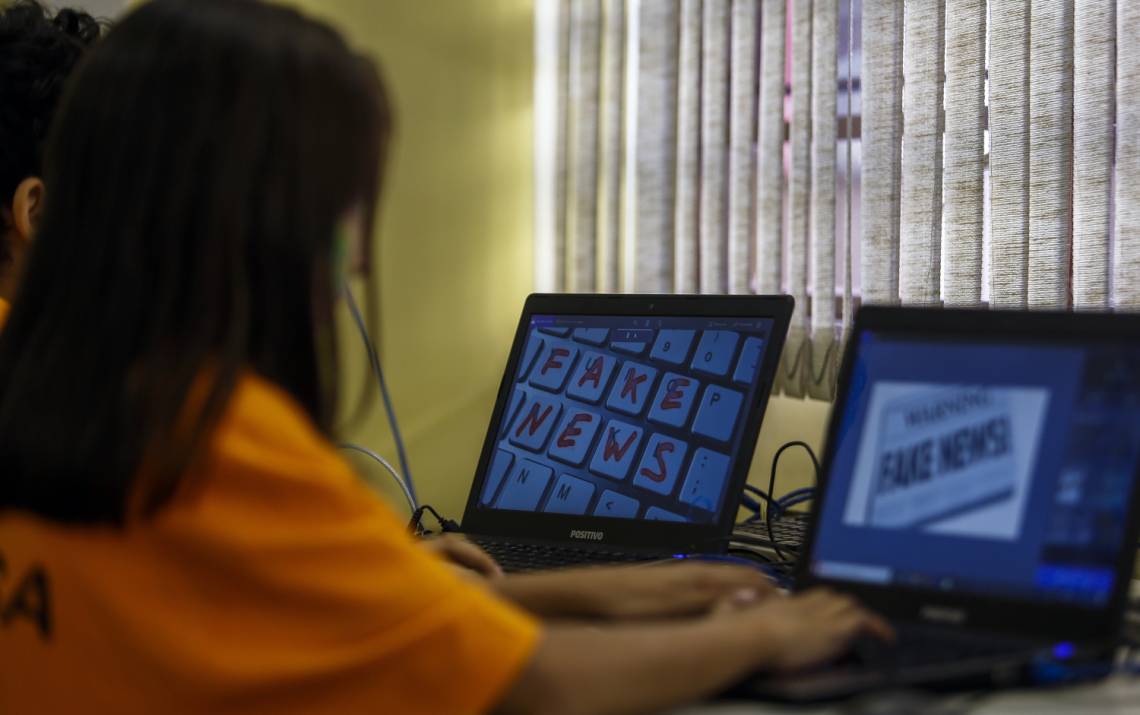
789, 530
515, 557
916, 647
626, 423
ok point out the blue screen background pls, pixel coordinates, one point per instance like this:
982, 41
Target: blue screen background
1071, 532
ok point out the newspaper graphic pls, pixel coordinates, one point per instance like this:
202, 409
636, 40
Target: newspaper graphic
947, 459
942, 452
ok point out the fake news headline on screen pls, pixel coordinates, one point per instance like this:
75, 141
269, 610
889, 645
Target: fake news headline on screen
947, 459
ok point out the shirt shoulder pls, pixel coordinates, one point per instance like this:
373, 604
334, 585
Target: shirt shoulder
277, 580
266, 450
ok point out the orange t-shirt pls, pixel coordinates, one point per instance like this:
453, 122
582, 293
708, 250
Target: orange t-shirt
3, 312
277, 584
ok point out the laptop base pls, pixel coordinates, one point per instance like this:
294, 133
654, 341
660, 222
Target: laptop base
1020, 666
517, 556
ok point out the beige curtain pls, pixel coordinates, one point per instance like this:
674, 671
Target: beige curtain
741, 144
964, 152
686, 256
821, 362
882, 74
712, 186
612, 77
769, 227
698, 146
1126, 255
1050, 151
1009, 152
920, 236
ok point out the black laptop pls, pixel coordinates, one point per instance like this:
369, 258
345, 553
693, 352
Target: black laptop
624, 427
979, 490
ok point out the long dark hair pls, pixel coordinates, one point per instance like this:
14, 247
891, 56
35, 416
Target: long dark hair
201, 160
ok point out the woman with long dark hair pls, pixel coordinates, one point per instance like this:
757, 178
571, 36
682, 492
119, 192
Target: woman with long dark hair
177, 531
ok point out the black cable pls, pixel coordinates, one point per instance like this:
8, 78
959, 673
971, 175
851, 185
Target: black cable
772, 484
415, 525
796, 496
755, 505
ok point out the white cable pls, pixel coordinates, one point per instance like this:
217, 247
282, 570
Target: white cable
378, 373
384, 463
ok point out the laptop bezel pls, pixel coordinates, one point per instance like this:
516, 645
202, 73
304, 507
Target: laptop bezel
633, 534
988, 613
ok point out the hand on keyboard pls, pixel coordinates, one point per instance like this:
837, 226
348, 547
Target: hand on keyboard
812, 628
633, 592
460, 552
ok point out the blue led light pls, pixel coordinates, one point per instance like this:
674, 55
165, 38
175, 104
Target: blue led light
1063, 650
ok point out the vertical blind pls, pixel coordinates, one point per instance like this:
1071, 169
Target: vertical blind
966, 153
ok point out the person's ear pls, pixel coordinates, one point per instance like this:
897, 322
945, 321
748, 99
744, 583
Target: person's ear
356, 251
27, 207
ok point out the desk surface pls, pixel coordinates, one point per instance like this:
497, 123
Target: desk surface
1116, 696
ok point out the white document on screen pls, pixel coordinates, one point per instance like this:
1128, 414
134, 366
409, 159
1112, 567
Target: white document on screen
948, 459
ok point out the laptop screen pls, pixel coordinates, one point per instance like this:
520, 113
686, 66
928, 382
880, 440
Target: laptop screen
1001, 469
627, 417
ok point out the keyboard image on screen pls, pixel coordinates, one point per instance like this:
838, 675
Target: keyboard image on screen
625, 417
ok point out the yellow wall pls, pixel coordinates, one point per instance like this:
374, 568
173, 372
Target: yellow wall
455, 240
454, 250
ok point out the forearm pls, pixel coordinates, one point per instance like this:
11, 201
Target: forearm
550, 594
629, 592
634, 669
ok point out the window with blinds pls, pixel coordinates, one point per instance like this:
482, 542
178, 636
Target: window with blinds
966, 153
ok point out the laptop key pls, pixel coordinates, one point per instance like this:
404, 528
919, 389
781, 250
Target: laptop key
750, 356
592, 336
654, 513
718, 412
705, 479
553, 366
518, 399
661, 464
500, 465
574, 436
534, 423
533, 347
673, 346
633, 341
715, 352
629, 346
674, 400
632, 388
525, 486
590, 380
614, 454
569, 496
615, 505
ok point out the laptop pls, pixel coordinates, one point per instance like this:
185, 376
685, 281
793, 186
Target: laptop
624, 427
979, 491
